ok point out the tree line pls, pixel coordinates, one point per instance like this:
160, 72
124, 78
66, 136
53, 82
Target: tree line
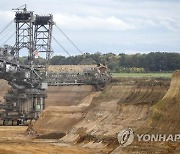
151, 62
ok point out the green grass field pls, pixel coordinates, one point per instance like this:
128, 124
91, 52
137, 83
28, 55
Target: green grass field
140, 75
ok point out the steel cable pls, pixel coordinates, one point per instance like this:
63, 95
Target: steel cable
69, 39
61, 46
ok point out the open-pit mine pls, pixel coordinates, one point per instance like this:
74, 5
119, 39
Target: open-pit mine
79, 109
80, 119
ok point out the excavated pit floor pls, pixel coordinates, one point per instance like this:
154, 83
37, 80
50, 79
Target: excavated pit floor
15, 140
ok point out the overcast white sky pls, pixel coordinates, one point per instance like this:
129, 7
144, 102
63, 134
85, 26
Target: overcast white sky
119, 26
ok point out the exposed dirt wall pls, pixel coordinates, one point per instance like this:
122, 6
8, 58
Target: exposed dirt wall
64, 108
67, 95
164, 118
99, 113
121, 105
145, 105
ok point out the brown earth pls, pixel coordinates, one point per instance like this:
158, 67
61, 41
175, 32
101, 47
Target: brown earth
63, 116
164, 118
166, 115
13, 140
67, 95
87, 121
95, 120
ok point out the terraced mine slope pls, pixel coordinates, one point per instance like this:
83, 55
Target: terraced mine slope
164, 118
91, 119
95, 119
65, 107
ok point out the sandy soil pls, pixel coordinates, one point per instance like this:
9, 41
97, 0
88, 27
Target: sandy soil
94, 121
67, 95
90, 120
14, 140
163, 119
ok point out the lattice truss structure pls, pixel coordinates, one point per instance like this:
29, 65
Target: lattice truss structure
33, 32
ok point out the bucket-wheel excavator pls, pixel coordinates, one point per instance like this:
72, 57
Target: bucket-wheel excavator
26, 98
